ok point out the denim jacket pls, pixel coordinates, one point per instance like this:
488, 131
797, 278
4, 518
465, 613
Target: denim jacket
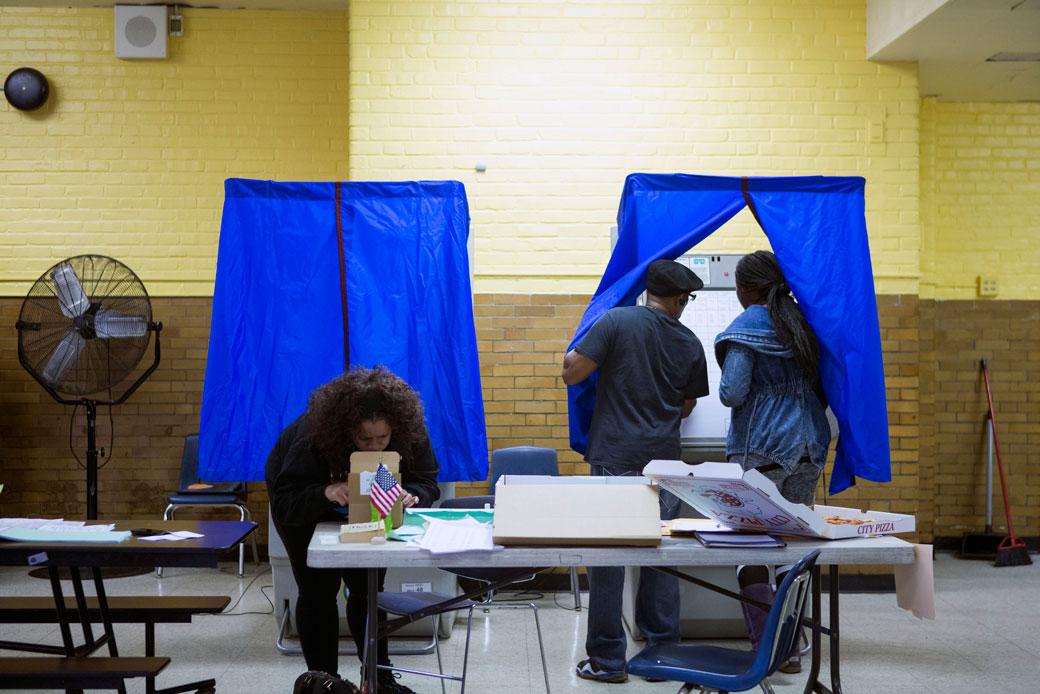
778, 414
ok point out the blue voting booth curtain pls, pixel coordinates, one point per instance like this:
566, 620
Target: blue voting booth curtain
277, 328
817, 229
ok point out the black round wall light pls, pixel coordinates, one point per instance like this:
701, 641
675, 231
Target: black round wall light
26, 89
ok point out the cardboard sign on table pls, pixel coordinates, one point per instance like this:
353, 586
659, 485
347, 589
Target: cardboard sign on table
724, 492
363, 465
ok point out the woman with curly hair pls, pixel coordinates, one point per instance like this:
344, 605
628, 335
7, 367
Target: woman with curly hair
362, 410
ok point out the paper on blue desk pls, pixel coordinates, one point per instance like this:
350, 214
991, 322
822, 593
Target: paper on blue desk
53, 524
172, 536
39, 535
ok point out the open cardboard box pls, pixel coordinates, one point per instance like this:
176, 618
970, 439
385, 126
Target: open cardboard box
363, 465
750, 501
576, 510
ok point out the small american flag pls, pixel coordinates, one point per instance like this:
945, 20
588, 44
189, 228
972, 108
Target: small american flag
384, 491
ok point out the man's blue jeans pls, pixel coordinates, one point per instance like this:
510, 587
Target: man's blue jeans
657, 599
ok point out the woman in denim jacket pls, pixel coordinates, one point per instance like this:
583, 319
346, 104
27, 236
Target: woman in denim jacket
770, 378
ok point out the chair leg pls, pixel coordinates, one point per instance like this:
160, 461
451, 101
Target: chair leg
168, 514
465, 652
576, 587
541, 647
241, 545
437, 649
252, 538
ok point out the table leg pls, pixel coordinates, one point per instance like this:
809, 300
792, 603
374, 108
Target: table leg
832, 630
81, 606
817, 606
835, 593
59, 605
372, 630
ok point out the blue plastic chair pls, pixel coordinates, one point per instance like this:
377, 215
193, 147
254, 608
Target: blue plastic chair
530, 460
730, 669
217, 495
522, 460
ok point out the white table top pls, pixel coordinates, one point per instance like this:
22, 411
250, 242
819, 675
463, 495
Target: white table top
673, 551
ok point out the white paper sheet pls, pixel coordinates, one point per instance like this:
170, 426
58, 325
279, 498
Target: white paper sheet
173, 536
465, 535
915, 584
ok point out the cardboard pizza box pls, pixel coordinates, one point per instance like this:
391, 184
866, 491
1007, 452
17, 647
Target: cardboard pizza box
363, 465
576, 511
750, 501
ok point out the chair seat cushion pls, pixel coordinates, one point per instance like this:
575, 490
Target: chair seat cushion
407, 603
728, 669
202, 499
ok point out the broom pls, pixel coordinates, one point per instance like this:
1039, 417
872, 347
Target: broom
1012, 550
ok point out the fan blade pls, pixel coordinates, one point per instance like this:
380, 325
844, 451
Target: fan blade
112, 323
64, 354
71, 297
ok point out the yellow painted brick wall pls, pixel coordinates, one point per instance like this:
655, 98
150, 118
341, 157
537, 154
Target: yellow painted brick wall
982, 173
561, 100
128, 157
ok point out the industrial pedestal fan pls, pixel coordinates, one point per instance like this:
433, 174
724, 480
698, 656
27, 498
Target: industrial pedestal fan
83, 328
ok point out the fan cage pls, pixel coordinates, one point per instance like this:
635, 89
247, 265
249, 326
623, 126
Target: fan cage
102, 362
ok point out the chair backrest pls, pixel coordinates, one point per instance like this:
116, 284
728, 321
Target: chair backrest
468, 502
190, 472
782, 625
522, 460
189, 463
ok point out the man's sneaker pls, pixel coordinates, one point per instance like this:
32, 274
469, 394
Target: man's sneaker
587, 670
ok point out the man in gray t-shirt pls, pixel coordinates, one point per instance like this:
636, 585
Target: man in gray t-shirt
651, 372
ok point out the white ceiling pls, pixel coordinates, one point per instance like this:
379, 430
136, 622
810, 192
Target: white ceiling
952, 42
950, 39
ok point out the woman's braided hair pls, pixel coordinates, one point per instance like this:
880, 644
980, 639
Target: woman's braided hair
760, 276
337, 409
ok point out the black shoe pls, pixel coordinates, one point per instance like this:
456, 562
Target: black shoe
387, 683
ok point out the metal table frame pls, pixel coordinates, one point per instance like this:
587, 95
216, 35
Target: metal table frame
218, 536
672, 552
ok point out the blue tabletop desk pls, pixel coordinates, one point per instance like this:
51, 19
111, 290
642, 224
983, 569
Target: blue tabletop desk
672, 552
217, 537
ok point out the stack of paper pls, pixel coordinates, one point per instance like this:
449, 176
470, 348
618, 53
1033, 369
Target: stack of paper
465, 535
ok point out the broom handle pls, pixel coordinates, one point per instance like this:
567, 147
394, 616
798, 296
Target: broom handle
996, 445
989, 478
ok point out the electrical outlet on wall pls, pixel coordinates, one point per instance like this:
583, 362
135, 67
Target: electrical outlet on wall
987, 285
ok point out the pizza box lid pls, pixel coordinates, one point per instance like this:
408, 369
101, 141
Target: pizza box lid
750, 501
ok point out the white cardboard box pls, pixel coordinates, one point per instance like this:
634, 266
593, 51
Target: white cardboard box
750, 501
576, 510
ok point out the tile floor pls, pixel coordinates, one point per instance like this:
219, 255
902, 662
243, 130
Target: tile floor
986, 638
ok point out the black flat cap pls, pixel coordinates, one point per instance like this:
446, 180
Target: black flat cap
666, 278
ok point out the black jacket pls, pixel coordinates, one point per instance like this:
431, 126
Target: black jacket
297, 477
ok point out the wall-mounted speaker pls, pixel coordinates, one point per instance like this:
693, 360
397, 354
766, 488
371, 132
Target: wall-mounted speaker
140, 31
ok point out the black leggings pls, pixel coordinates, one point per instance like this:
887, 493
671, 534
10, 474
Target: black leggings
317, 617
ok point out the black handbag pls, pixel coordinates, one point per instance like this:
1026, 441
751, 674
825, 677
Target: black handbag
318, 682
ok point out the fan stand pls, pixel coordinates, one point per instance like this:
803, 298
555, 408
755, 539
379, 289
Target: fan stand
92, 459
